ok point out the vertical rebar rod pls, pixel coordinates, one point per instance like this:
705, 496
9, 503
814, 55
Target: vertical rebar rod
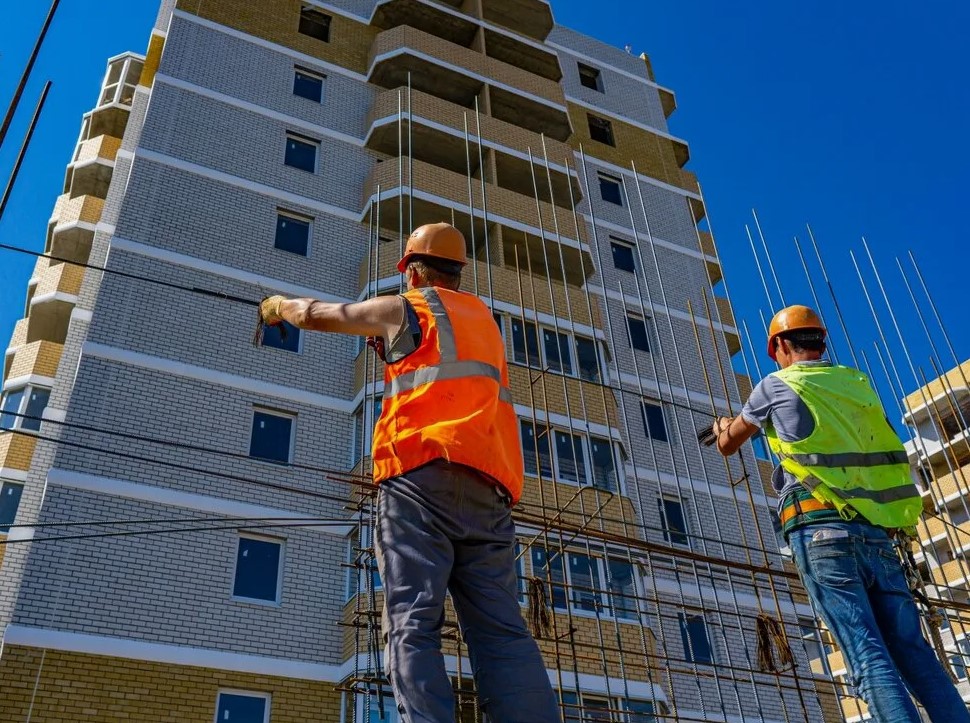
19, 91
471, 204
757, 263
23, 148
835, 298
815, 299
410, 226
485, 232
771, 264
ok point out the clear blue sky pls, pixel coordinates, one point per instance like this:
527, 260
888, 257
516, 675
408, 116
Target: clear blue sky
852, 116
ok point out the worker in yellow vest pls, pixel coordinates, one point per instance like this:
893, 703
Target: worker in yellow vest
448, 460
845, 488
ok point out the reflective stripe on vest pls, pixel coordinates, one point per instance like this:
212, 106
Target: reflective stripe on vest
849, 459
449, 366
881, 497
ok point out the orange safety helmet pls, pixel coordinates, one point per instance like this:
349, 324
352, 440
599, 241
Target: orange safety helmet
791, 319
440, 240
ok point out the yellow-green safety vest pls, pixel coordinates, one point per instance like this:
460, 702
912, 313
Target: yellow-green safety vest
853, 459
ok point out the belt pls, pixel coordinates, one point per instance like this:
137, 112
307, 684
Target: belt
795, 507
799, 508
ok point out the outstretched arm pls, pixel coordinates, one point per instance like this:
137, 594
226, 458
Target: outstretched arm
732, 433
380, 316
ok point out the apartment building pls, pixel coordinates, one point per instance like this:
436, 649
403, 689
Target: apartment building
286, 147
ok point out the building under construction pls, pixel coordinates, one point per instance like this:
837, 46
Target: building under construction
188, 515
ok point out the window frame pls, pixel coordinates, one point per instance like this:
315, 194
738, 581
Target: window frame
684, 619
283, 213
671, 535
572, 348
281, 542
592, 73
631, 319
5, 485
307, 14
291, 449
601, 130
601, 177
623, 243
364, 535
588, 472
363, 414
19, 421
292, 331
312, 75
306, 140
668, 435
268, 697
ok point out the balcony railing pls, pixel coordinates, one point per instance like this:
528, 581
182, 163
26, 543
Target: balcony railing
532, 18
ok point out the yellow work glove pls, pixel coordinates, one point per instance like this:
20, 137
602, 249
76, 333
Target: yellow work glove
269, 310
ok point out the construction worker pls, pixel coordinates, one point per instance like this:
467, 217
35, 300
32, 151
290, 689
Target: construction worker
448, 460
845, 488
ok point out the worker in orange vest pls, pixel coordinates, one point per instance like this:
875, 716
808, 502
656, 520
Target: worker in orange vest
448, 460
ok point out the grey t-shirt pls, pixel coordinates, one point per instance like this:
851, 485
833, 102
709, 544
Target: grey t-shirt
774, 403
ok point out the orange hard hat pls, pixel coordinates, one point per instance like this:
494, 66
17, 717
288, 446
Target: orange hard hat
440, 240
791, 319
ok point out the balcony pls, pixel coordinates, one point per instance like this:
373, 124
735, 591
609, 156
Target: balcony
668, 101
430, 17
51, 302
714, 271
90, 172
726, 316
526, 55
110, 116
16, 450
440, 194
39, 358
439, 139
71, 227
459, 75
532, 18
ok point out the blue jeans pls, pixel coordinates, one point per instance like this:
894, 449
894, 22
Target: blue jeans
443, 528
853, 575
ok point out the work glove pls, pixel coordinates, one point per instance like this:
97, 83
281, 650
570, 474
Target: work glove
269, 315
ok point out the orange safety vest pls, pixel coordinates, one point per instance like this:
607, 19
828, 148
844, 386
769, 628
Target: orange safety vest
450, 398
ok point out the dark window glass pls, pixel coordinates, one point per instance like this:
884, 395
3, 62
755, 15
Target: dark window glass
639, 338
639, 711
693, 633
557, 351
570, 707
623, 256
9, 502
591, 77
11, 404
525, 343
556, 573
600, 130
257, 569
292, 234
273, 336
604, 465
654, 422
36, 404
307, 85
673, 522
569, 454
531, 446
760, 444
315, 24
584, 579
301, 153
271, 437
235, 708
588, 358
623, 589
610, 190
596, 709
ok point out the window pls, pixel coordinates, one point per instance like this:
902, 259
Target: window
357, 582
673, 521
301, 152
623, 255
623, 590
273, 336
643, 711
525, 343
603, 462
587, 358
10, 494
600, 130
23, 408
961, 660
272, 436
535, 450
293, 233
654, 422
308, 84
590, 707
549, 567
570, 458
810, 636
611, 189
390, 708
590, 77
242, 708
556, 346
693, 633
364, 429
760, 444
584, 575
315, 24
639, 336
258, 569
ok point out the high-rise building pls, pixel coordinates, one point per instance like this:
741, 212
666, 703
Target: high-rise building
286, 147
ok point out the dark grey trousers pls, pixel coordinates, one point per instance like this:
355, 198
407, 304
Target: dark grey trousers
443, 528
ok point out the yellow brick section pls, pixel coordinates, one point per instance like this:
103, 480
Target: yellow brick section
153, 59
278, 21
954, 380
102, 147
40, 358
61, 278
96, 689
3, 551
86, 209
19, 336
654, 155
16, 450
